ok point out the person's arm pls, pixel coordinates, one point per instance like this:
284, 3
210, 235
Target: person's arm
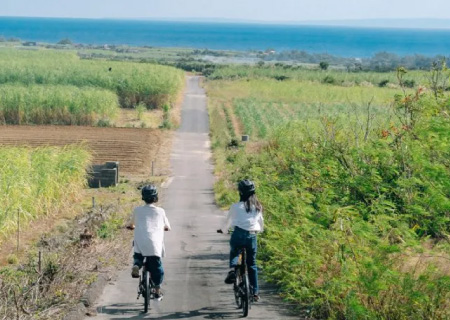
130, 224
166, 222
261, 221
228, 220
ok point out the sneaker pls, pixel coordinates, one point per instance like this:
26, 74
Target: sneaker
135, 272
159, 296
231, 277
255, 298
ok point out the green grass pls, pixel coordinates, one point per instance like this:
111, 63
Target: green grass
33, 182
134, 83
270, 90
351, 194
339, 77
53, 104
263, 105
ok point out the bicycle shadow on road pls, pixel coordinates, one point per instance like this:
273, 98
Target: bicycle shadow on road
133, 311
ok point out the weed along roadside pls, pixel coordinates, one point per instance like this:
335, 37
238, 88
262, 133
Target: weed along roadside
69, 253
63, 272
62, 242
355, 194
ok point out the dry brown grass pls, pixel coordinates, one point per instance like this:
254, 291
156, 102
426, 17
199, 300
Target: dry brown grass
429, 257
129, 118
175, 112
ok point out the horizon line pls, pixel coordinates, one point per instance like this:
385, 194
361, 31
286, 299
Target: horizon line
357, 22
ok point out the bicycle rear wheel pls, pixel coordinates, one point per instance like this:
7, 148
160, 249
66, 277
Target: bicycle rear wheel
146, 293
237, 288
245, 294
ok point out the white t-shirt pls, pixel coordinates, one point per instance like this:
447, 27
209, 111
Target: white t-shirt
149, 222
239, 217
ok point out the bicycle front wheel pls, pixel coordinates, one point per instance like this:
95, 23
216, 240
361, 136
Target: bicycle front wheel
237, 289
146, 293
245, 294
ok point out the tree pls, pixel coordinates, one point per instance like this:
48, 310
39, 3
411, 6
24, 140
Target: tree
324, 65
65, 41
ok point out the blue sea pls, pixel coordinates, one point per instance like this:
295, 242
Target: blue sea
339, 41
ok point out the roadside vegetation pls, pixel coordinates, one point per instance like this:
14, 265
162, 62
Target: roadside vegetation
56, 242
35, 182
57, 270
355, 188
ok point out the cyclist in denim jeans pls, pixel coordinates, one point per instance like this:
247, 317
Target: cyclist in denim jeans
149, 223
246, 219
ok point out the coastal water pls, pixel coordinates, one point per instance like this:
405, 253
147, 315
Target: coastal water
340, 41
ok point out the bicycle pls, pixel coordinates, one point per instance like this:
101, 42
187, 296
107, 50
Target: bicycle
243, 291
146, 286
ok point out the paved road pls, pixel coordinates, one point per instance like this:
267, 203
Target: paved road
196, 261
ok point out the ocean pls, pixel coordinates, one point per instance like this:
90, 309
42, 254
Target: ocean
338, 41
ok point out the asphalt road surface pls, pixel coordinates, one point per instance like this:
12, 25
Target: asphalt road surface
196, 261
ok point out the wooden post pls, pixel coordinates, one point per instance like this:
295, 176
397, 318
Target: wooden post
40, 261
93, 202
153, 167
18, 229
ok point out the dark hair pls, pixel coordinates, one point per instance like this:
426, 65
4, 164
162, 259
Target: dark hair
150, 200
249, 201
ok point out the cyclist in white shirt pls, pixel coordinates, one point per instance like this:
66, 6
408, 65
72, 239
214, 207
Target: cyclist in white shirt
246, 219
149, 223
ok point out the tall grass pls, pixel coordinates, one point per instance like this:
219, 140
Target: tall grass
352, 193
134, 83
338, 77
262, 105
260, 119
52, 104
270, 90
34, 182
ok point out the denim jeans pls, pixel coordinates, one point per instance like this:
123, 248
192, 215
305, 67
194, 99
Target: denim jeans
241, 238
154, 265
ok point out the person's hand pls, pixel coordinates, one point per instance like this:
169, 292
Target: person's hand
219, 231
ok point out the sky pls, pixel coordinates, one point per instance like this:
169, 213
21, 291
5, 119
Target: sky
251, 10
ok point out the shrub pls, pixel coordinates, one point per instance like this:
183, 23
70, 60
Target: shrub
324, 65
140, 109
65, 41
409, 83
350, 207
329, 80
280, 77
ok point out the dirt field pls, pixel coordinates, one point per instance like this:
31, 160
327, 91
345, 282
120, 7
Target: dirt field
135, 149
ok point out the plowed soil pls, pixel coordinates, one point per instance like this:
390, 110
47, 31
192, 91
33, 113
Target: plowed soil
135, 149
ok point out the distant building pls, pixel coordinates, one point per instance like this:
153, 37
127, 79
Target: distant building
30, 44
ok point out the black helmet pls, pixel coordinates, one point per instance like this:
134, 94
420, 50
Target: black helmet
150, 193
246, 187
